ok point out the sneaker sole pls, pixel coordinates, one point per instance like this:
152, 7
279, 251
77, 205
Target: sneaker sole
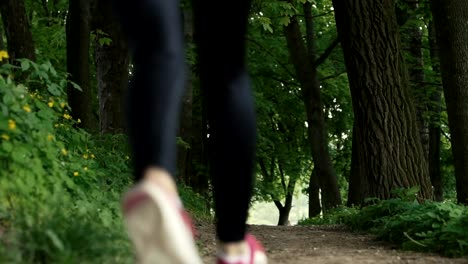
157, 230
260, 258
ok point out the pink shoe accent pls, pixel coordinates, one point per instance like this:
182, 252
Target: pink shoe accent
189, 222
159, 227
139, 196
257, 252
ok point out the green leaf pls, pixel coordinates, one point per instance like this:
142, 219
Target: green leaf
25, 65
7, 146
55, 239
284, 21
53, 89
267, 27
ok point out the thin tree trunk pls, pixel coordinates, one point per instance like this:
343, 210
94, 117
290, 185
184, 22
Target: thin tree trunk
314, 195
450, 18
200, 177
306, 72
434, 124
389, 147
112, 63
184, 160
289, 192
412, 38
358, 189
78, 38
19, 37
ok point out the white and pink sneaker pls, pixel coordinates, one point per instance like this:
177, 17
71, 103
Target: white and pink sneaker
256, 254
159, 227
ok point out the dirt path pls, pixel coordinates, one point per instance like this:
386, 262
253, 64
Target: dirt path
319, 245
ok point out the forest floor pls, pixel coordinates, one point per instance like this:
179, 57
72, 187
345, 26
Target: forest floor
322, 244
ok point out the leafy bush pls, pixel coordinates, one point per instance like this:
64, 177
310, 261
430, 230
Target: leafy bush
429, 226
60, 186
334, 216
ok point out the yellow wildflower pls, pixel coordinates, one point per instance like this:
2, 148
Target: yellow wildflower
4, 55
66, 116
5, 137
56, 125
62, 104
85, 168
64, 152
76, 174
50, 137
92, 156
50, 104
85, 156
27, 109
79, 121
11, 124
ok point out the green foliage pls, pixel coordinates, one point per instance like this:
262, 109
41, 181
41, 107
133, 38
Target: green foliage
335, 216
195, 203
429, 226
60, 186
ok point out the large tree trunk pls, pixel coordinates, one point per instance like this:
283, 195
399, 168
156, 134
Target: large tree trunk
284, 210
450, 18
389, 150
78, 37
17, 29
435, 108
305, 67
112, 63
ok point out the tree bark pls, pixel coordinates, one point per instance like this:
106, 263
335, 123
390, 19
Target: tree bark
199, 178
289, 192
358, 189
305, 67
78, 38
19, 37
112, 63
184, 162
284, 210
435, 108
389, 148
314, 195
450, 18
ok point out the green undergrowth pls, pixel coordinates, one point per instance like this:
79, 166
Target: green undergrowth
428, 227
60, 186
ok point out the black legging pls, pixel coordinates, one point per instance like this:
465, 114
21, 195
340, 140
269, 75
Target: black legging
154, 30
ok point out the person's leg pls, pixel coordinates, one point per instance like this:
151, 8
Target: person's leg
156, 222
220, 38
154, 32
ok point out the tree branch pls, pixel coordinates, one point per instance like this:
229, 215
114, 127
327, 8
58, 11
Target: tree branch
283, 180
309, 23
285, 68
331, 76
327, 52
263, 168
278, 204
